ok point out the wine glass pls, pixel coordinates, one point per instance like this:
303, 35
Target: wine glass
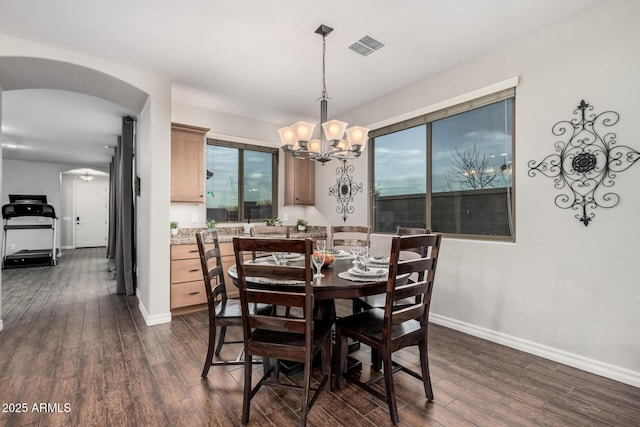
355, 249
321, 245
318, 260
362, 258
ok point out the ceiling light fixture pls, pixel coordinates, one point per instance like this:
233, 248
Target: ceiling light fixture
296, 139
86, 176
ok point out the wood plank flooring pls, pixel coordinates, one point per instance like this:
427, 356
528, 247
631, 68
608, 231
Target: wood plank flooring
85, 353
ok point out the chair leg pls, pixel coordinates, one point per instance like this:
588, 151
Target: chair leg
212, 340
424, 365
376, 360
223, 332
325, 355
305, 393
246, 398
341, 359
388, 383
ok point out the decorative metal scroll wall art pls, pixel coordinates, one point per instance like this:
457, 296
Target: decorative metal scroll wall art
586, 163
344, 189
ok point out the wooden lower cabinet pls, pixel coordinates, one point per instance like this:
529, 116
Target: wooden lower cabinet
187, 294
187, 286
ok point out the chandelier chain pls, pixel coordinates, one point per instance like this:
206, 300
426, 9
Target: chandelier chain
324, 83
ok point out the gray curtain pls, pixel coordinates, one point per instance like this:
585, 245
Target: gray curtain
124, 215
113, 183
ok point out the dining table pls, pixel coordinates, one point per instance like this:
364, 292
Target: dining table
337, 283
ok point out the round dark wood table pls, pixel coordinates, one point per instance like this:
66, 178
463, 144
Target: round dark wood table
331, 287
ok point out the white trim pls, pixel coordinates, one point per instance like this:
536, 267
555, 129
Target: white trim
590, 365
465, 97
67, 247
152, 320
1, 325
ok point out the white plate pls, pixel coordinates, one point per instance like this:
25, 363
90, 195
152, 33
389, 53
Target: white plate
289, 255
341, 254
372, 272
383, 260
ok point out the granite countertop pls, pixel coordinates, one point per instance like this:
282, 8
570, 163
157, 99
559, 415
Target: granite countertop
186, 236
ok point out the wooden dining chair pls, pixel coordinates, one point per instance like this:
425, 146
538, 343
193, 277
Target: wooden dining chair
388, 329
274, 231
223, 311
369, 302
275, 337
347, 235
365, 303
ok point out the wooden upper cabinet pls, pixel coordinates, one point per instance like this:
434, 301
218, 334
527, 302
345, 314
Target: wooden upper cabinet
299, 181
187, 163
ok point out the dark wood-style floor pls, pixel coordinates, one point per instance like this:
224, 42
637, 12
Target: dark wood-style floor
70, 342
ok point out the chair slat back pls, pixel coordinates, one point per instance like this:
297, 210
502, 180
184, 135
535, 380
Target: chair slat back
424, 267
275, 294
347, 235
411, 231
272, 231
211, 264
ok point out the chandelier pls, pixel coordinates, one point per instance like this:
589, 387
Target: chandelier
297, 138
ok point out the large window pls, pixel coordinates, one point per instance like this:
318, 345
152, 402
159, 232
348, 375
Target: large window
241, 181
400, 183
450, 170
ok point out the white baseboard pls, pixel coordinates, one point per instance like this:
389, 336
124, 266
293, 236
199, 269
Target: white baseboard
1, 325
613, 372
67, 247
152, 320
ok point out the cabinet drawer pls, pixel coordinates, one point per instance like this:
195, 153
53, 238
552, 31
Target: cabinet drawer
188, 293
186, 270
184, 251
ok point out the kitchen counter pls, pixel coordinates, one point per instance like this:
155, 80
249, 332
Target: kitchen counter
186, 236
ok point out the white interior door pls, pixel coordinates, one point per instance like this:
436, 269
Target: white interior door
91, 207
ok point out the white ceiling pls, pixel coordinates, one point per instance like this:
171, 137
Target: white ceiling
253, 58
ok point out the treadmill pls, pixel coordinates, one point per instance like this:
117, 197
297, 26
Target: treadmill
30, 206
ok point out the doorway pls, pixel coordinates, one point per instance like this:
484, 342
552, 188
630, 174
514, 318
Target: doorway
90, 213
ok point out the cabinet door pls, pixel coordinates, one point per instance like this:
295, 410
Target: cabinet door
299, 181
187, 163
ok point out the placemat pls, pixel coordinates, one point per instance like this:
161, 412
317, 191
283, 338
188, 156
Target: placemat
348, 276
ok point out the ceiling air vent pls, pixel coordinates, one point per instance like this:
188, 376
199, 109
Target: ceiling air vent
366, 46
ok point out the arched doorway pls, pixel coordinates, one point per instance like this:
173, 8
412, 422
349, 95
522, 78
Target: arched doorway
24, 74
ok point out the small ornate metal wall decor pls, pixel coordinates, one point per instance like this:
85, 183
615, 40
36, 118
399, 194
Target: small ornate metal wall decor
344, 189
586, 163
